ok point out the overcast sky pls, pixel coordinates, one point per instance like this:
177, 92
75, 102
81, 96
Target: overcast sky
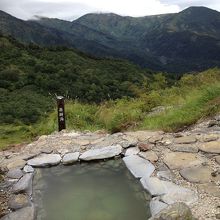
71, 9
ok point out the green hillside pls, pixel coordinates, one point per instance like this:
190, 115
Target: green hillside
177, 43
31, 76
100, 94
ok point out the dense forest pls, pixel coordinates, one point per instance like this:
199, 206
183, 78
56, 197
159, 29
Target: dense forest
31, 77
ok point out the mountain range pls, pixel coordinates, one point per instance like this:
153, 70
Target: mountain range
180, 42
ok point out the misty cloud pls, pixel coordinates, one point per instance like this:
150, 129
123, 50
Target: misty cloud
70, 9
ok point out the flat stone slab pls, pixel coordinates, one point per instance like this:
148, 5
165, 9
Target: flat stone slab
180, 195
210, 147
210, 188
157, 187
209, 137
149, 155
156, 206
102, 153
132, 151
70, 158
17, 163
165, 175
45, 160
185, 140
27, 213
169, 192
190, 148
179, 160
197, 174
18, 201
138, 166
24, 184
15, 173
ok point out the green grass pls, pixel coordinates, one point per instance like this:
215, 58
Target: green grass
199, 104
193, 98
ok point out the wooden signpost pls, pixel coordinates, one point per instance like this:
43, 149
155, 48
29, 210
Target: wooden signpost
61, 113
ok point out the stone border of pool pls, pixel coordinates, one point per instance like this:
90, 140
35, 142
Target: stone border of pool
164, 193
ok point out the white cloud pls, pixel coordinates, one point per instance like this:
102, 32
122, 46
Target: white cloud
67, 9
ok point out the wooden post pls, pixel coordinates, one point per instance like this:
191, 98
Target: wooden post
61, 113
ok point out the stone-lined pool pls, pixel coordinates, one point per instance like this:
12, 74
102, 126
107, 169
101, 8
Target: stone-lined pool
90, 191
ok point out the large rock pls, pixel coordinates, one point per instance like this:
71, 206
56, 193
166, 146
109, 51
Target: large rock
156, 206
24, 184
45, 160
177, 211
15, 173
210, 147
18, 201
185, 140
70, 158
138, 166
27, 213
197, 174
179, 160
102, 153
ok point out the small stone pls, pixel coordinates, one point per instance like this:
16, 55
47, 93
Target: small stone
210, 147
18, 201
14, 174
18, 163
212, 123
155, 139
190, 148
185, 140
197, 174
46, 151
70, 158
217, 216
179, 160
217, 159
45, 160
144, 146
132, 151
217, 118
28, 169
149, 155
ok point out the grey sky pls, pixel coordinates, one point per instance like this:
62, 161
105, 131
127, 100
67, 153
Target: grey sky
70, 9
